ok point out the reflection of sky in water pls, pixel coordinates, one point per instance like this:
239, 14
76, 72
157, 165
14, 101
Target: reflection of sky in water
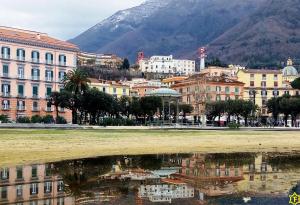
239, 178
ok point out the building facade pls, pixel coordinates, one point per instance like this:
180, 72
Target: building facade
199, 89
167, 65
116, 89
103, 60
32, 184
32, 66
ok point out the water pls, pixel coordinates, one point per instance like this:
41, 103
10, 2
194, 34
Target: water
188, 179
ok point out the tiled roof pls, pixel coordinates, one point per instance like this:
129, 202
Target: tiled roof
262, 71
34, 38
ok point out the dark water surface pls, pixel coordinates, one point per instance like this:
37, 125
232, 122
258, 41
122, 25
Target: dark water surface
239, 178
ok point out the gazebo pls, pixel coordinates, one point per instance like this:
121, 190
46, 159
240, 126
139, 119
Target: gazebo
169, 96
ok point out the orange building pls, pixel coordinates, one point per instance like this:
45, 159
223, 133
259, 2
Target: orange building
199, 89
32, 65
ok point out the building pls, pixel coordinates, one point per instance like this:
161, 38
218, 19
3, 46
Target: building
262, 85
173, 80
199, 89
220, 71
167, 65
32, 65
114, 88
32, 184
102, 60
146, 87
166, 191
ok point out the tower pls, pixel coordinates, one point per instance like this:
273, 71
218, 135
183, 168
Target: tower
140, 57
202, 56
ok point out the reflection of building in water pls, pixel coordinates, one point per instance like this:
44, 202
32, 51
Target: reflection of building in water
166, 191
265, 177
31, 185
209, 177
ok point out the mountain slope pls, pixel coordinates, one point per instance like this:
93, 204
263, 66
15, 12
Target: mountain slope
270, 34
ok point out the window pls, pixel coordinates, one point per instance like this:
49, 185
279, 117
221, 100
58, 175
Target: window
236, 171
263, 84
47, 202
227, 97
275, 93
275, 84
275, 77
264, 77
20, 54
5, 104
252, 83
19, 190
62, 60
227, 90
5, 89
124, 91
218, 89
115, 90
264, 93
5, 51
207, 88
48, 91
47, 170
35, 56
218, 98
34, 189
49, 58
3, 192
61, 75
60, 186
21, 105
218, 172
47, 187
60, 201
20, 90
226, 171
251, 76
35, 74
49, 75
35, 91
35, 106
20, 173
34, 171
21, 72
5, 70
4, 174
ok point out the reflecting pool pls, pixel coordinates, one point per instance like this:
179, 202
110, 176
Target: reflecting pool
222, 178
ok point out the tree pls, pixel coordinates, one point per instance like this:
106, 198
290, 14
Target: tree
124, 103
273, 107
296, 84
186, 109
126, 64
284, 107
248, 107
215, 109
149, 105
57, 99
135, 107
76, 82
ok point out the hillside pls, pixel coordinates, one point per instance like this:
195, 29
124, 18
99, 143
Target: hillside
247, 31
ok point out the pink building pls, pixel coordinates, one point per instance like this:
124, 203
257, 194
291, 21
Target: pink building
32, 65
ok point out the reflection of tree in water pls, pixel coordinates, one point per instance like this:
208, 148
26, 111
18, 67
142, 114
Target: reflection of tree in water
80, 175
284, 162
230, 159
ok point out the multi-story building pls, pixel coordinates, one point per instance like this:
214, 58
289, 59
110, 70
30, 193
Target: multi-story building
34, 184
103, 60
262, 85
146, 87
116, 89
32, 65
199, 89
220, 71
173, 80
167, 65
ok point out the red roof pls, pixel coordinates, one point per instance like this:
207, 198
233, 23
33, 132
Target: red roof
34, 38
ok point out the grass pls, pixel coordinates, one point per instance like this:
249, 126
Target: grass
36, 146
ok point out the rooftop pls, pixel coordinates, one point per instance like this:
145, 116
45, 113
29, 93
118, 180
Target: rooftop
262, 71
34, 38
164, 92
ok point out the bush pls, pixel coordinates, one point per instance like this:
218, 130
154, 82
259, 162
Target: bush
234, 125
48, 119
4, 119
36, 119
23, 120
61, 120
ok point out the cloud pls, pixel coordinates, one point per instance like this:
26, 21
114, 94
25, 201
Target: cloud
64, 19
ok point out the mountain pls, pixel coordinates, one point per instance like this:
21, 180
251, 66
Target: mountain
237, 31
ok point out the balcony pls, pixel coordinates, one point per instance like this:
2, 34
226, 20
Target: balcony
5, 56
21, 77
35, 77
48, 109
5, 75
49, 79
5, 107
35, 96
35, 109
20, 58
21, 108
6, 95
49, 62
35, 60
62, 63
20, 95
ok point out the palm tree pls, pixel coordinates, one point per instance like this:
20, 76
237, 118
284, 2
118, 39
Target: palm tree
76, 82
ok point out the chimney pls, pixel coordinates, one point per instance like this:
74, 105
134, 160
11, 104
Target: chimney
38, 36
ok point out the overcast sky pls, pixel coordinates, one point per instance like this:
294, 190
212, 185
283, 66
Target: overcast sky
64, 19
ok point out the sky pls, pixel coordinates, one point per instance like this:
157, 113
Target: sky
63, 19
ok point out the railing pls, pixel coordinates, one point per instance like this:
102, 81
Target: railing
35, 60
5, 107
62, 63
35, 77
5, 56
5, 75
35, 109
34, 96
21, 76
20, 108
49, 79
49, 62
6, 94
21, 96
20, 58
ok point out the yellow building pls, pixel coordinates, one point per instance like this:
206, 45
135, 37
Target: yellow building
262, 85
113, 88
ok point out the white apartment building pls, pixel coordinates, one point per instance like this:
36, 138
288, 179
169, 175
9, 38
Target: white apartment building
167, 65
